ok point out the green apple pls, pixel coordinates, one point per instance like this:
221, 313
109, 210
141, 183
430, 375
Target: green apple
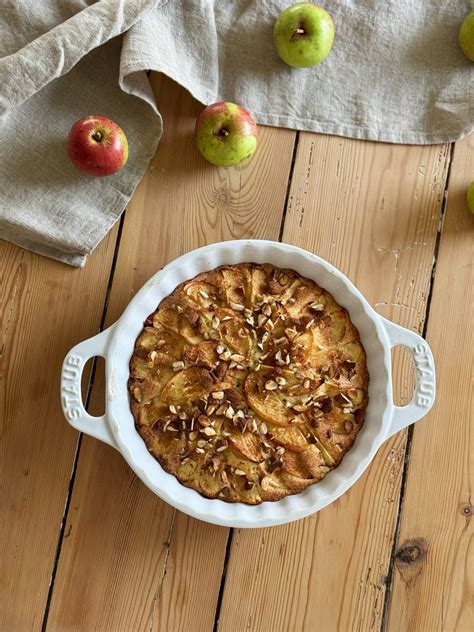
466, 36
303, 35
226, 134
470, 197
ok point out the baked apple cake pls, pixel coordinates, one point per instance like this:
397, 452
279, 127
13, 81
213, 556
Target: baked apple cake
248, 383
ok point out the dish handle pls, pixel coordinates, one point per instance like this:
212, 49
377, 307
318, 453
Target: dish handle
71, 397
425, 387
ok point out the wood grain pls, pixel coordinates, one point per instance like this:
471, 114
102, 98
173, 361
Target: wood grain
129, 562
46, 307
373, 210
433, 586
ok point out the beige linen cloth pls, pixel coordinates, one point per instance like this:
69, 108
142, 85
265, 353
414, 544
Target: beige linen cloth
395, 74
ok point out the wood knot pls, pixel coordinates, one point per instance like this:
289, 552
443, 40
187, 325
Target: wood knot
223, 198
411, 552
467, 510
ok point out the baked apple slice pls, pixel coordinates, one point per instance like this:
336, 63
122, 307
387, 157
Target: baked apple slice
281, 483
210, 485
148, 414
266, 403
300, 296
204, 354
334, 435
290, 437
190, 384
305, 464
141, 370
159, 346
248, 445
258, 284
237, 284
144, 390
201, 294
169, 317
333, 329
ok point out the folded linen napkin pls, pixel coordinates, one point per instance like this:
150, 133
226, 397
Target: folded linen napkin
46, 205
395, 74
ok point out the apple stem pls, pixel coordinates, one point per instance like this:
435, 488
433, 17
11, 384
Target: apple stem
298, 33
97, 136
224, 132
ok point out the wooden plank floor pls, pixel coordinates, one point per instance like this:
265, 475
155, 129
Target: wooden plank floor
85, 546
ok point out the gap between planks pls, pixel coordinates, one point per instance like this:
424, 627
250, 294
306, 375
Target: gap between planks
406, 460
288, 188
90, 384
231, 530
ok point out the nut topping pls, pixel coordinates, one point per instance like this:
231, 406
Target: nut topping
230, 412
204, 421
279, 358
271, 385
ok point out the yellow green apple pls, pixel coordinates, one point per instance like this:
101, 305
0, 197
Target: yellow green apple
466, 36
225, 134
303, 35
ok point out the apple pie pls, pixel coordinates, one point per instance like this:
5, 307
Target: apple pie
248, 383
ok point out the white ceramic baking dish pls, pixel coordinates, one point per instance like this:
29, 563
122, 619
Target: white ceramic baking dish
116, 344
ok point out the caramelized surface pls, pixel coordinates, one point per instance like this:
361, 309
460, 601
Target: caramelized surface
248, 383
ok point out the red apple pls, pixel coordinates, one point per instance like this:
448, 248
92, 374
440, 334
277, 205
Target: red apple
97, 146
226, 134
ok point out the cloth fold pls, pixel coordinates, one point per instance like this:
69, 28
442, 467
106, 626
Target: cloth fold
395, 74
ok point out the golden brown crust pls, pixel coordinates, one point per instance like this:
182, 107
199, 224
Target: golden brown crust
248, 383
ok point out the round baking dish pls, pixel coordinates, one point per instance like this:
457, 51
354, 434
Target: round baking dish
116, 344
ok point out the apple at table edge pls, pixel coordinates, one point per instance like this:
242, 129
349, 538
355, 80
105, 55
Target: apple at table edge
225, 134
466, 36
